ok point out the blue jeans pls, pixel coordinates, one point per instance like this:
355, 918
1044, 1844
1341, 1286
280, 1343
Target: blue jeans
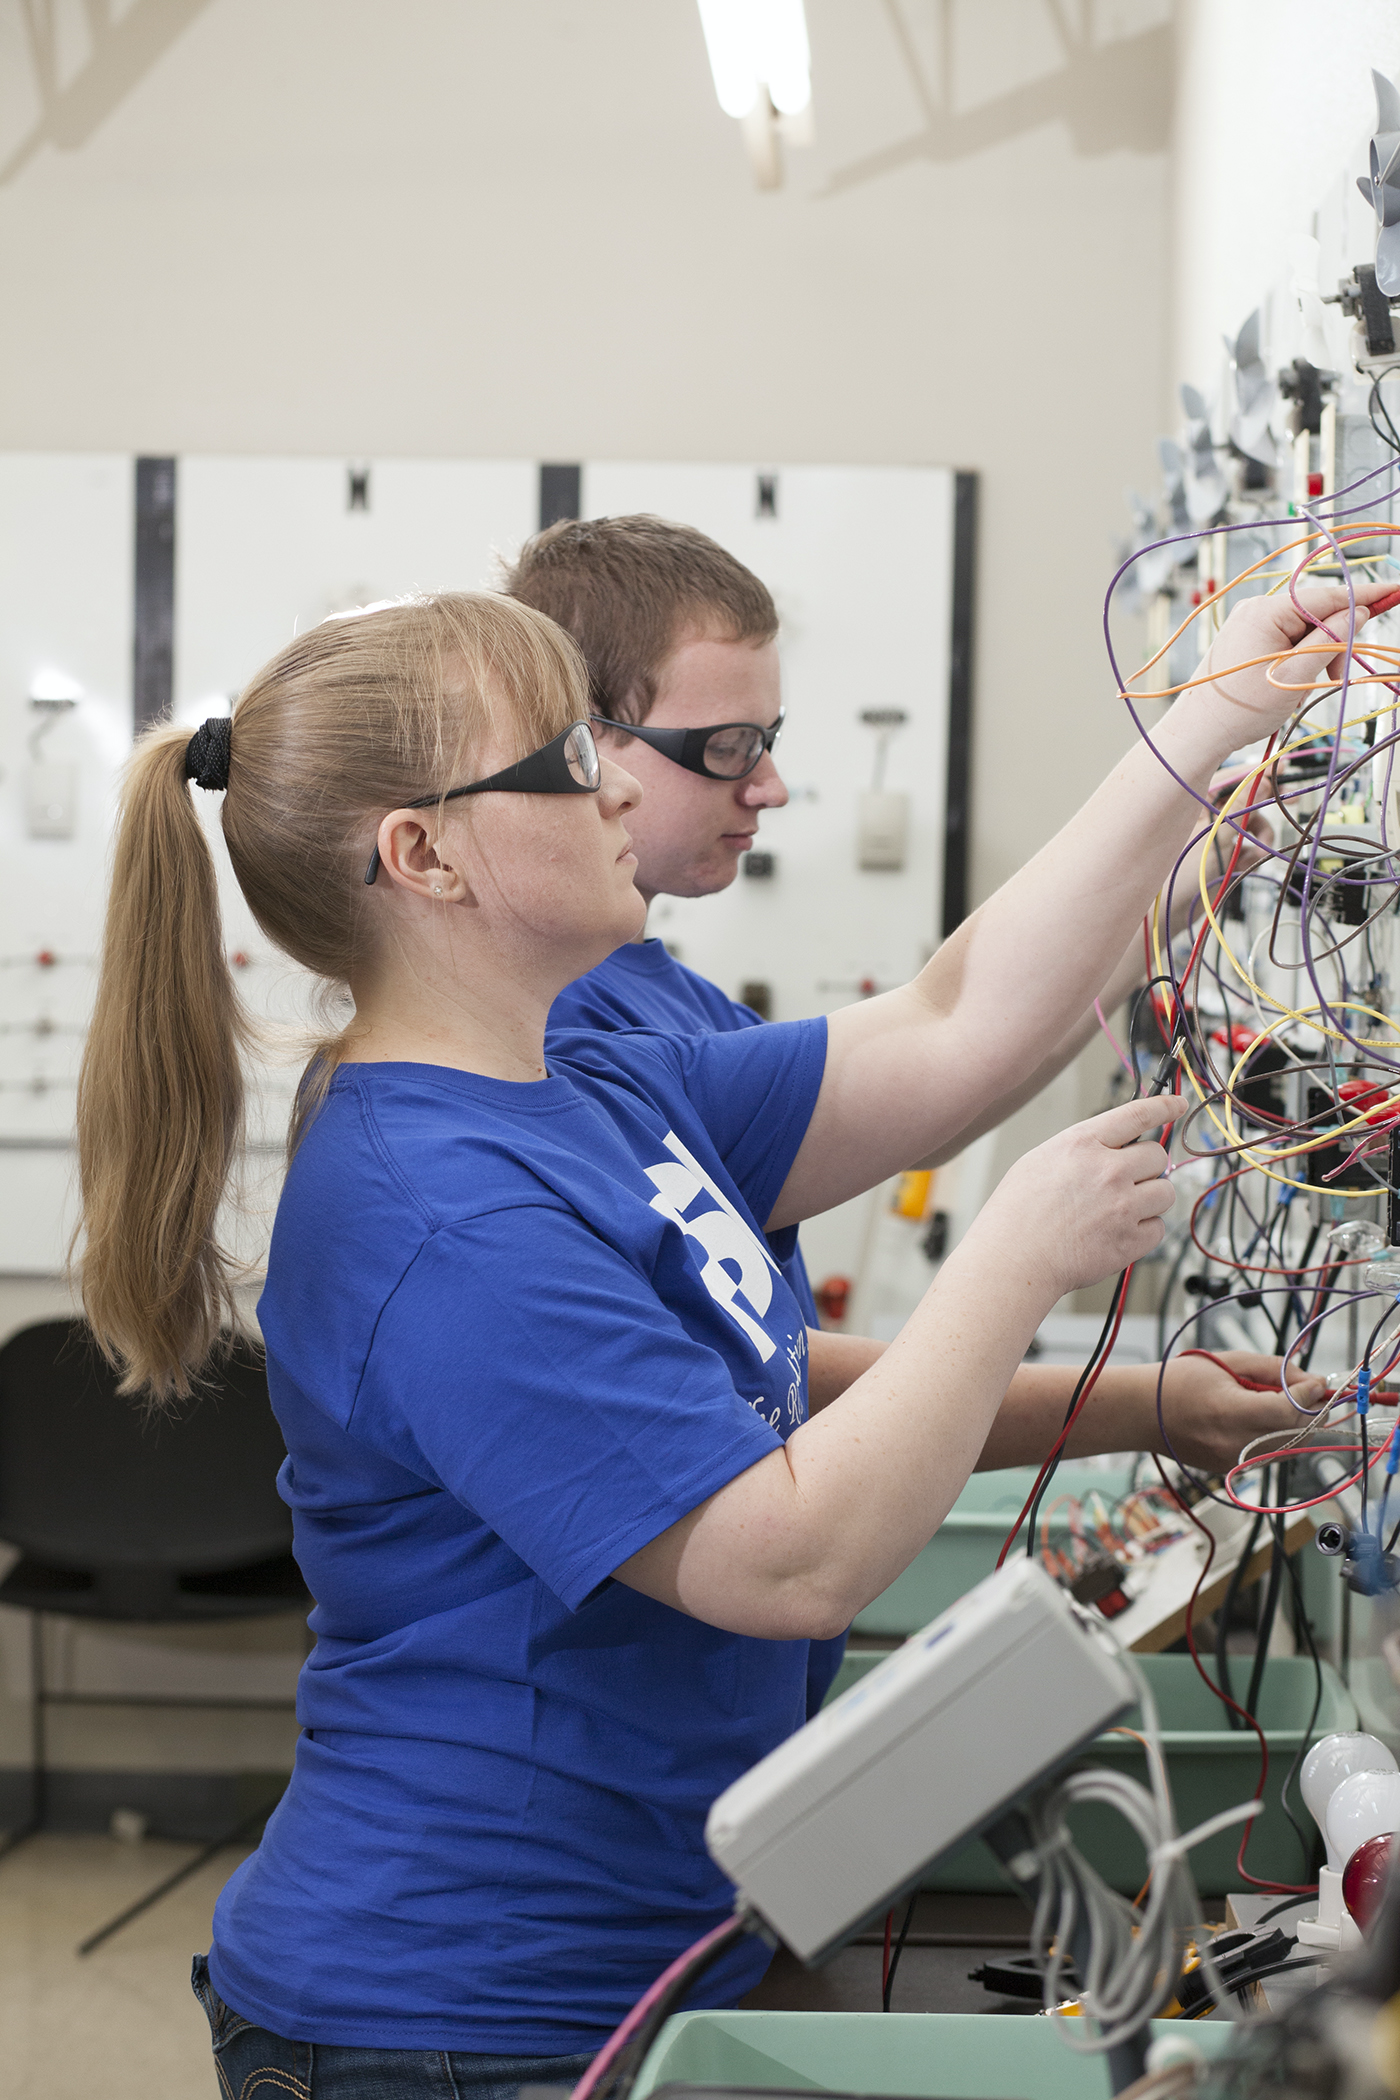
255, 2065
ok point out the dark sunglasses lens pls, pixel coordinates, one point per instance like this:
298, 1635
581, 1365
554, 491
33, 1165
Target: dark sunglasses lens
582, 755
734, 751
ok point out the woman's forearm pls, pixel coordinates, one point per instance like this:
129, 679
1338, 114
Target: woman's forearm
801, 1541
796, 1545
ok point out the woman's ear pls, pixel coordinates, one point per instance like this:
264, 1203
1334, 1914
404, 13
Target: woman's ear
409, 858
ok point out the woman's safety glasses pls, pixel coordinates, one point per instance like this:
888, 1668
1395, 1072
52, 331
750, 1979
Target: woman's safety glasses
566, 765
727, 751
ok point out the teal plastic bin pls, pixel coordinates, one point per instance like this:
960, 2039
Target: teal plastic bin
1210, 1766
954, 2056
965, 1547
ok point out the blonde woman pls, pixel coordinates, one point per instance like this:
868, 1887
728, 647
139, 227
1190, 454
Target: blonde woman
556, 1488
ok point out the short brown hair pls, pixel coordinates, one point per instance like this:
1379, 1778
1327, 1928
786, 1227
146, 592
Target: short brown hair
626, 589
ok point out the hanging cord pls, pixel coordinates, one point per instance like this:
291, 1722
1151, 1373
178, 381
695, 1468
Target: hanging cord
892, 1964
615, 2067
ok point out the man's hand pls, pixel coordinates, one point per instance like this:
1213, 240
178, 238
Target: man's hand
1210, 1417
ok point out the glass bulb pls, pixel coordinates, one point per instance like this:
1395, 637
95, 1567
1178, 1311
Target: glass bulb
1364, 1806
1365, 1877
1331, 1761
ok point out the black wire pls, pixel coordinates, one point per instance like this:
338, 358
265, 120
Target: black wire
1363, 1419
1222, 1621
1288, 1903
1164, 1309
1242, 1982
899, 1949
1271, 1595
1328, 1285
1304, 1626
1297, 1275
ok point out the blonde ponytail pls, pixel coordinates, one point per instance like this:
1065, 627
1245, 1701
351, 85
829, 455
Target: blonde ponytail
160, 1096
353, 719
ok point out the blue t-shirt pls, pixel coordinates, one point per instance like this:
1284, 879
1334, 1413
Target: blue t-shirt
642, 986
514, 1332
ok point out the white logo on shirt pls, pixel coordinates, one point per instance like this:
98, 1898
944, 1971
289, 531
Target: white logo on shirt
723, 1236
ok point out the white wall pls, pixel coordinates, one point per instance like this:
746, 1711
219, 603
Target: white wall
457, 227
1273, 109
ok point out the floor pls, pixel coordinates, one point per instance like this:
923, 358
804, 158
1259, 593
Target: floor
122, 2022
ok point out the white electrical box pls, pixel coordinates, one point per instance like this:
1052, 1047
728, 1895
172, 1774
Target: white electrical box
882, 829
926, 1751
51, 800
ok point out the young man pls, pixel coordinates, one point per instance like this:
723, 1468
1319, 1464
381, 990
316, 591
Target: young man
681, 646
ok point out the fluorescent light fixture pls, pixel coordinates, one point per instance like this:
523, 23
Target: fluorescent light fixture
758, 47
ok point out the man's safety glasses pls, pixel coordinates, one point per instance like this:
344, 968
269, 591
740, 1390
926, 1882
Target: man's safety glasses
727, 751
566, 765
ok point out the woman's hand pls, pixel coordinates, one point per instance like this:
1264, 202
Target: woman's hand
1251, 698
1210, 1417
1089, 1201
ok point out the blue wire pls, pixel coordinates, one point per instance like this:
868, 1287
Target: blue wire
1392, 1467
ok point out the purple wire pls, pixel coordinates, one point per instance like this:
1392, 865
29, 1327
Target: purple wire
1238, 821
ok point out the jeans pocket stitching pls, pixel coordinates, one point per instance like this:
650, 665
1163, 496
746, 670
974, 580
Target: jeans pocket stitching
268, 2074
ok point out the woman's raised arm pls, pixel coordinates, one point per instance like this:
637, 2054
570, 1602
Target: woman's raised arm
911, 1070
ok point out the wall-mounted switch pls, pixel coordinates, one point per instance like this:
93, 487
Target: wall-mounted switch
51, 800
882, 829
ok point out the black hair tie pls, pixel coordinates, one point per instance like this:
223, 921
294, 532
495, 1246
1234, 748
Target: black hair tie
207, 753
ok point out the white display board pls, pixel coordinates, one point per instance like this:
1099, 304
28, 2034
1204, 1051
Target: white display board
66, 531
859, 561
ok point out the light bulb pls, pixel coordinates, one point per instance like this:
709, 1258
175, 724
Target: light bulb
1365, 1878
1331, 1761
1363, 1806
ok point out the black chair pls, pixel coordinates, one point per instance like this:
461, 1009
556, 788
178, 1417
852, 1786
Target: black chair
128, 1515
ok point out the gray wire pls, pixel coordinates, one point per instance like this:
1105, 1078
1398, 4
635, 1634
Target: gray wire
1134, 1960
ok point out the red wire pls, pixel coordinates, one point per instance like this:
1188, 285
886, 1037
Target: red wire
1251, 1385
1058, 1445
1246, 1268
1274, 1509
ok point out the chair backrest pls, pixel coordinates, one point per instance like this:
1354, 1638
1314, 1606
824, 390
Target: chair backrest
88, 1479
